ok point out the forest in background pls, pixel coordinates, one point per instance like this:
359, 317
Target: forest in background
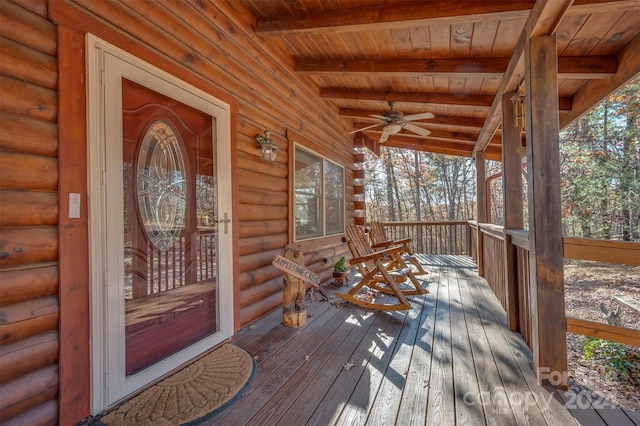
600, 170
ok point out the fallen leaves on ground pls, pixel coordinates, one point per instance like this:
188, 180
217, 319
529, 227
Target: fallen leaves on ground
587, 284
348, 366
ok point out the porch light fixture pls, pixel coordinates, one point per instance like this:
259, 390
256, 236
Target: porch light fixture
268, 149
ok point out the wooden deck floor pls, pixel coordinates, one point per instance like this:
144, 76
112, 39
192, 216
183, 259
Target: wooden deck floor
450, 360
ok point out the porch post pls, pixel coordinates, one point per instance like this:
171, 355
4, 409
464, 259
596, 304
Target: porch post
548, 326
481, 206
512, 190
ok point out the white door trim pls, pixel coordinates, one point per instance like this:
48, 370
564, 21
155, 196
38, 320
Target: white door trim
106, 66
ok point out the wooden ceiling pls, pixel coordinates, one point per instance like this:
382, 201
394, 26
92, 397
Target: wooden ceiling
452, 58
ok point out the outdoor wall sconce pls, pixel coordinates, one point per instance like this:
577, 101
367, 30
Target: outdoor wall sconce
268, 149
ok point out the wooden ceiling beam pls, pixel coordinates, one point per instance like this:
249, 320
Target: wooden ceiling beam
595, 90
386, 17
584, 67
421, 98
446, 120
487, 67
441, 147
587, 67
544, 18
585, 7
409, 97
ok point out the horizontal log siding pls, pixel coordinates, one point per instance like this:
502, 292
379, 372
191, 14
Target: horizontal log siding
214, 42
29, 306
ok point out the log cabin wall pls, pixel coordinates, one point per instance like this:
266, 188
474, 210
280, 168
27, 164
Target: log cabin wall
29, 303
213, 47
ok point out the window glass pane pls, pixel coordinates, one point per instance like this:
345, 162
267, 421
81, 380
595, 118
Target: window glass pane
334, 198
308, 195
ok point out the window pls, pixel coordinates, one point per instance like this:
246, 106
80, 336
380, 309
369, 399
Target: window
319, 196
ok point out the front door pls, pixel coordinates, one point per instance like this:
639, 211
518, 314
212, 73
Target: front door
164, 210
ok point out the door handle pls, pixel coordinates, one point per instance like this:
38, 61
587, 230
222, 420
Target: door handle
226, 221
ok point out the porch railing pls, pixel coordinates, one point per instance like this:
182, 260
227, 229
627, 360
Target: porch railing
448, 237
490, 248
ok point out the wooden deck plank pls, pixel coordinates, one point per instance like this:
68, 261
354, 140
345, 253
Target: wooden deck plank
515, 388
634, 416
549, 407
274, 372
361, 400
484, 362
268, 343
411, 367
611, 414
322, 383
412, 409
387, 402
328, 410
256, 328
585, 415
271, 320
464, 372
441, 400
314, 362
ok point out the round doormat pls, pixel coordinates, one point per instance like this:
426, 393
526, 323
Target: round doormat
192, 394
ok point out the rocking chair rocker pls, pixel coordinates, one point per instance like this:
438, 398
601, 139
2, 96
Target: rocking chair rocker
381, 270
379, 241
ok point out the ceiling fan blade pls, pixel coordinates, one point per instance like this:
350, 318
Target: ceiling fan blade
415, 129
421, 116
384, 137
365, 128
381, 117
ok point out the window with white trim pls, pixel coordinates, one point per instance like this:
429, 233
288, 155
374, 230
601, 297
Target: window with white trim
319, 196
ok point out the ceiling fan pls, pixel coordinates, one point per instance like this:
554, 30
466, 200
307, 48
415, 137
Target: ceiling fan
394, 121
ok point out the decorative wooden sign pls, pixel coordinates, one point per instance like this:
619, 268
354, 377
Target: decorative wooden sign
296, 270
294, 310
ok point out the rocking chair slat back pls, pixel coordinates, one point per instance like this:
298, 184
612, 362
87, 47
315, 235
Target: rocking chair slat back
381, 271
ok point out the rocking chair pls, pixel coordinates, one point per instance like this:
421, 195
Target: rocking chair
381, 271
379, 241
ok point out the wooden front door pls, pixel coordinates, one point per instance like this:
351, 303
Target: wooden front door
164, 240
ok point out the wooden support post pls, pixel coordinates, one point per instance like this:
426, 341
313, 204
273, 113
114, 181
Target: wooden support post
512, 190
545, 221
481, 206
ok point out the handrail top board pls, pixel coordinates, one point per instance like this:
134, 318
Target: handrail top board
622, 252
435, 222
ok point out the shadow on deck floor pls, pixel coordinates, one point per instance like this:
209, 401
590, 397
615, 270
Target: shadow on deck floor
449, 360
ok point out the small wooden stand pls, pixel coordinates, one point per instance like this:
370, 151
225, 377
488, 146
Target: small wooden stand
294, 311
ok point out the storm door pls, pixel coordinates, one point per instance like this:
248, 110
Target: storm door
166, 232
170, 226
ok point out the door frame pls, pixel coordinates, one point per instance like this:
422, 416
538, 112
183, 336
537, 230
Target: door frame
107, 390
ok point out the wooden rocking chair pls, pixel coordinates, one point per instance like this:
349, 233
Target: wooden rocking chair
381, 271
379, 241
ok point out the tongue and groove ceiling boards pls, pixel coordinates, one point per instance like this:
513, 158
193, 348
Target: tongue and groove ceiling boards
454, 59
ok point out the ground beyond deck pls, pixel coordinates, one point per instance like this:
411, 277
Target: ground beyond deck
450, 360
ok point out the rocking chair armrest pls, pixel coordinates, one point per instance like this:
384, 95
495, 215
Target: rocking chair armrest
382, 244
375, 255
403, 241
391, 243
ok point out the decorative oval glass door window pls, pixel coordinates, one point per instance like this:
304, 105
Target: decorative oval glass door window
162, 185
